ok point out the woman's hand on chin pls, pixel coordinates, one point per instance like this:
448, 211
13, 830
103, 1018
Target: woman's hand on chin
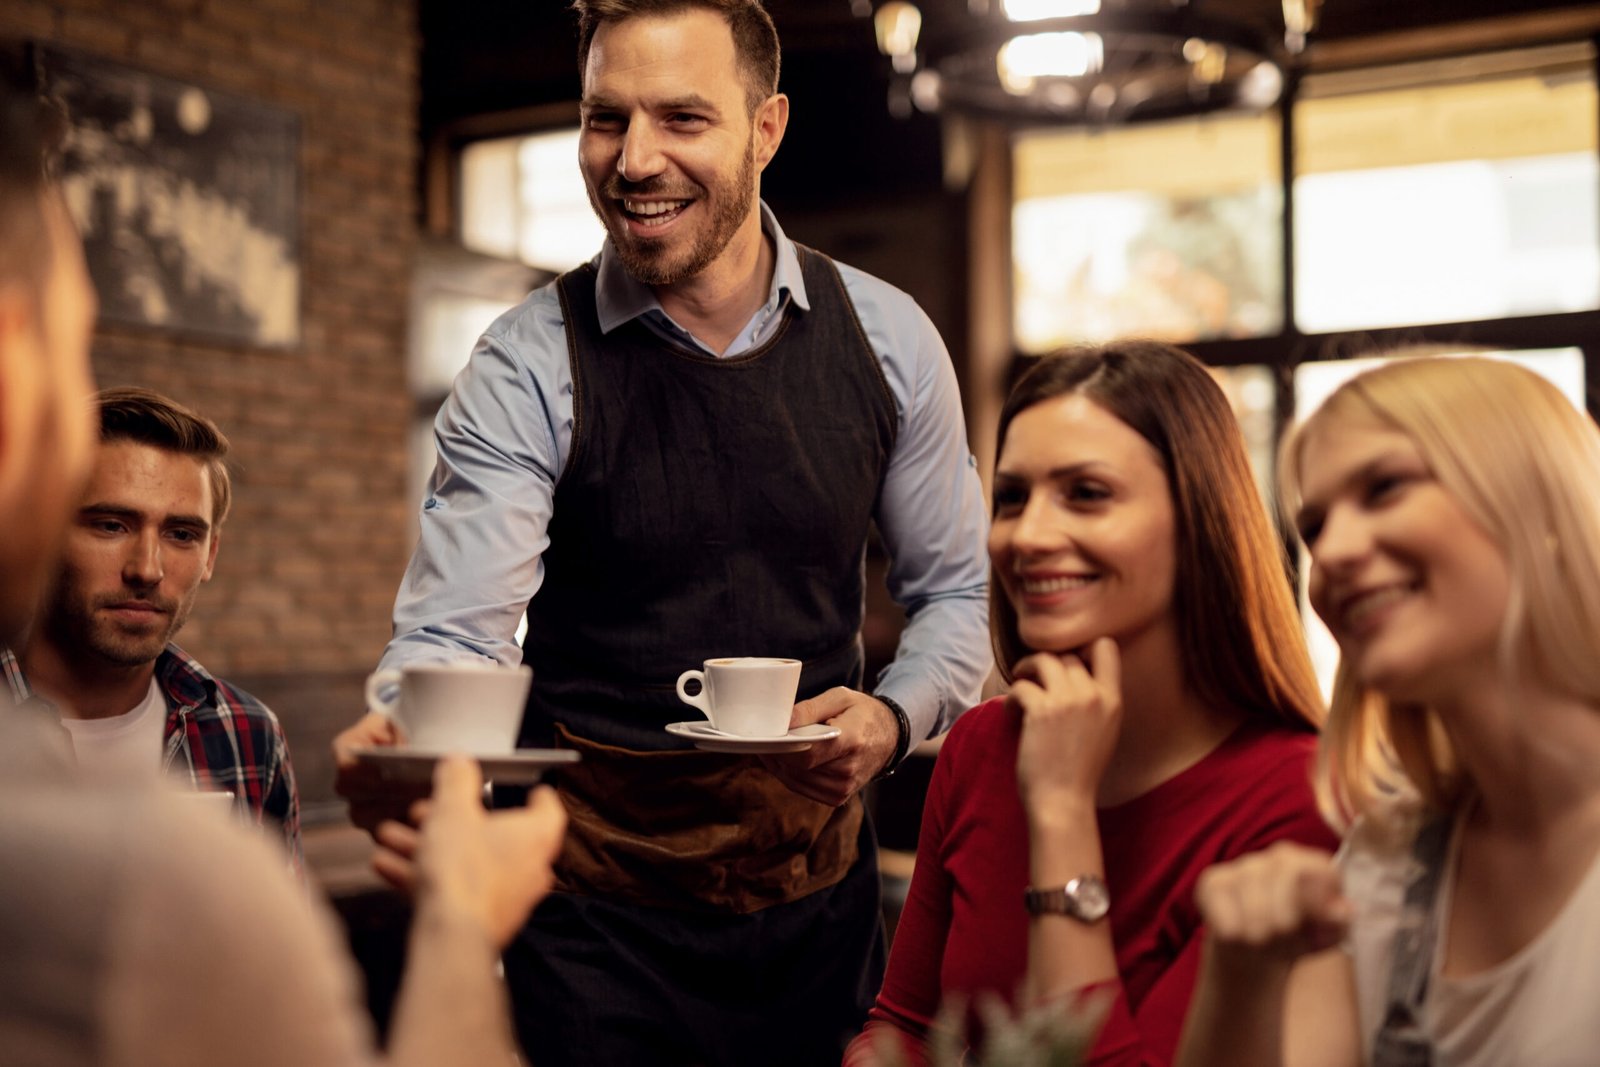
1071, 707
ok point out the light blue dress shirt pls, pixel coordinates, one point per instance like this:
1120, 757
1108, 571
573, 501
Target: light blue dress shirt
503, 437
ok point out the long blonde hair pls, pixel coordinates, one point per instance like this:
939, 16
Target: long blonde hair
1525, 466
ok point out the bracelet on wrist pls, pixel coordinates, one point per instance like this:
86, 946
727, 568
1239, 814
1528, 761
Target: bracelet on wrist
902, 744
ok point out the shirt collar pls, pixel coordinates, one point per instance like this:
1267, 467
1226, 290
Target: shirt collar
185, 683
619, 297
182, 680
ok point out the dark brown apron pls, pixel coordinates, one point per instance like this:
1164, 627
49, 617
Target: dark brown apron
695, 830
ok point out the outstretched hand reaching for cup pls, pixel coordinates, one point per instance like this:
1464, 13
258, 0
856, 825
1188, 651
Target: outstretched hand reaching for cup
491, 867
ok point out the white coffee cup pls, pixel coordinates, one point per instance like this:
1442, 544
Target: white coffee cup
453, 707
752, 696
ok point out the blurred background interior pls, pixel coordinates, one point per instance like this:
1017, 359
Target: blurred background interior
300, 214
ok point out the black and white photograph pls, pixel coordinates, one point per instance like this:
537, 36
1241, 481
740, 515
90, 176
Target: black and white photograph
186, 199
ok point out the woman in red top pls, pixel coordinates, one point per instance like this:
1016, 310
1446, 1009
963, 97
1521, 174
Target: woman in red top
1161, 717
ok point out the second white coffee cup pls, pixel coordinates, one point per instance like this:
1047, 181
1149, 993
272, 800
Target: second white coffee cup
752, 696
454, 707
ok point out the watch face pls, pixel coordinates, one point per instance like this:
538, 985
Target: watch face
1090, 898
1084, 898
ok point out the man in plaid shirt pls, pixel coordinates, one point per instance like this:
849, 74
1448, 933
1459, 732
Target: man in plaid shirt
144, 538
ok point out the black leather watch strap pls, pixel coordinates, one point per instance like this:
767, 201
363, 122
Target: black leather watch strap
902, 744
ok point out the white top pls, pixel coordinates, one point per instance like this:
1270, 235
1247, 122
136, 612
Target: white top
1535, 1009
122, 748
146, 933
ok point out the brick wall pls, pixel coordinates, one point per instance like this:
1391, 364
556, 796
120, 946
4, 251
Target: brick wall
317, 539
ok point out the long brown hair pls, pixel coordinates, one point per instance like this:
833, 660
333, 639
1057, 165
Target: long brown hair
1238, 630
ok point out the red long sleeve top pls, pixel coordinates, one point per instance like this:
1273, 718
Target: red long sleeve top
964, 929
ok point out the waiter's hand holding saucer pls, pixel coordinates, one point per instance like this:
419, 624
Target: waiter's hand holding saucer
831, 772
424, 710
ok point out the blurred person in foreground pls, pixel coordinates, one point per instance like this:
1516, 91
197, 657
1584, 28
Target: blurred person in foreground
143, 540
135, 928
673, 453
1162, 714
1450, 512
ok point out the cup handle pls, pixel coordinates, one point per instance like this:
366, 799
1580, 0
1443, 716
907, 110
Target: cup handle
699, 699
377, 682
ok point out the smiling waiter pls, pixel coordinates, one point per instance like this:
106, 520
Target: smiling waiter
673, 453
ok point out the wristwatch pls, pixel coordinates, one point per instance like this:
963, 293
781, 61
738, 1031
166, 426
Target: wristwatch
1085, 898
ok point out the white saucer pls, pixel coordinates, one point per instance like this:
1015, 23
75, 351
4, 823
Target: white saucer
708, 737
523, 767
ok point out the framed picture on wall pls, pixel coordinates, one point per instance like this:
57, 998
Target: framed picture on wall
187, 199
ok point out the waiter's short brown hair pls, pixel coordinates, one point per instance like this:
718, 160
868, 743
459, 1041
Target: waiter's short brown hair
755, 38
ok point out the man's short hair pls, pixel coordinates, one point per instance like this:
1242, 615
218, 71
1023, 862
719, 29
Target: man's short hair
32, 129
148, 418
755, 38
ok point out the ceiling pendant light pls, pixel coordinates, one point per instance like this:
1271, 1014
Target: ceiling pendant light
1085, 61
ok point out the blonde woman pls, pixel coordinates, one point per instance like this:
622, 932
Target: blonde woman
1451, 508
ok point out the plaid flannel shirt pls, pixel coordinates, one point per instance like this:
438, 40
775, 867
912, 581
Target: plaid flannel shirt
217, 737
